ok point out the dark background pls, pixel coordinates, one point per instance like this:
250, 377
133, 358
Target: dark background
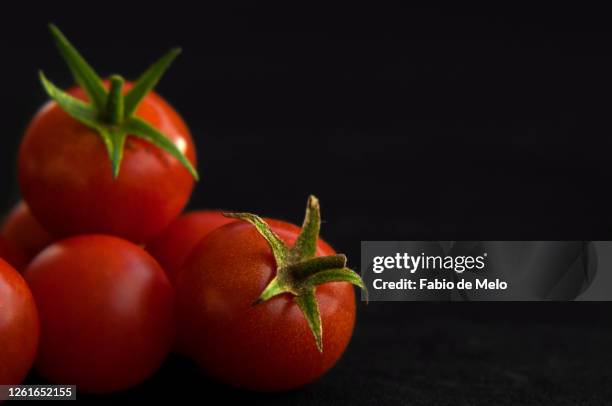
408, 124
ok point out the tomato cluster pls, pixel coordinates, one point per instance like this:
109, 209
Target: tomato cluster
114, 278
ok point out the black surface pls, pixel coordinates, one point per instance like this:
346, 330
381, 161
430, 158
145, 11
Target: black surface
439, 124
465, 357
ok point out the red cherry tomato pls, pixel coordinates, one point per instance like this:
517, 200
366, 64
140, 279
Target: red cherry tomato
66, 177
24, 231
12, 255
18, 327
268, 346
106, 312
174, 245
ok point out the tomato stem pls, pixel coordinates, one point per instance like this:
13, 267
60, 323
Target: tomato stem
111, 113
298, 270
114, 102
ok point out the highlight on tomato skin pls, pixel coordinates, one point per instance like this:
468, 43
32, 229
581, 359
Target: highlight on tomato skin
19, 326
172, 247
263, 347
24, 231
106, 313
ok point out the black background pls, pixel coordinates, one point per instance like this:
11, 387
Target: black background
408, 124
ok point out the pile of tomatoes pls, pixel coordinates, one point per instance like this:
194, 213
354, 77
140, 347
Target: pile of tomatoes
101, 276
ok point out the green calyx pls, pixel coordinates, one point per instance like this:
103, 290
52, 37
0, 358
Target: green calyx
110, 112
298, 270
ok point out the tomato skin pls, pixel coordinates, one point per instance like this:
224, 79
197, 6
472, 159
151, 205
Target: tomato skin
13, 255
24, 231
172, 247
266, 347
19, 328
66, 178
106, 312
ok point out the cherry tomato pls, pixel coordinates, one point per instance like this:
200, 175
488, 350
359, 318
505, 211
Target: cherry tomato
19, 327
172, 247
66, 178
268, 346
106, 312
12, 255
24, 231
